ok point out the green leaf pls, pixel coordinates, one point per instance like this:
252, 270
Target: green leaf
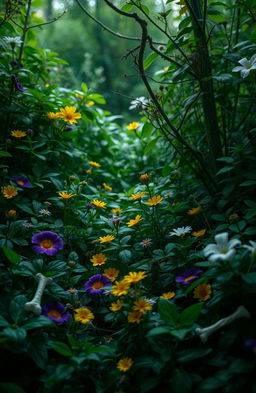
7, 387
193, 353
179, 333
190, 314
39, 322
159, 330
150, 146
167, 311
11, 255
250, 278
125, 255
5, 154
147, 130
16, 308
84, 87
61, 348
17, 334
149, 60
97, 98
181, 381
127, 7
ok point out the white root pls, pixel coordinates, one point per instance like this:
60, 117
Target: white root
204, 333
34, 305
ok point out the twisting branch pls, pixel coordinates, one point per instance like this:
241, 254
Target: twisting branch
47, 23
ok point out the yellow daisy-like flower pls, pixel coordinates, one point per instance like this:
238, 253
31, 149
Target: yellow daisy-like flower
98, 259
9, 192
137, 196
133, 126
78, 95
95, 164
155, 200
124, 364
134, 277
90, 103
116, 210
168, 295
106, 239
144, 177
135, 221
142, 305
121, 288
83, 315
98, 203
199, 233
116, 306
69, 114
53, 115
134, 317
202, 292
107, 187
65, 194
193, 211
18, 133
111, 273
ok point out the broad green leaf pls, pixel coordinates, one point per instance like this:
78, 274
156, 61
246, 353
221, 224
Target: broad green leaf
168, 311
61, 348
147, 130
150, 146
190, 314
5, 154
159, 330
149, 60
11, 255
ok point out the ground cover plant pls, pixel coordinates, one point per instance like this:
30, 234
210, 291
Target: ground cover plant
128, 248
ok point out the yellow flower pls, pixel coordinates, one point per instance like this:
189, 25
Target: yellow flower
137, 196
166, 69
107, 187
144, 177
9, 192
18, 133
88, 171
193, 211
124, 364
69, 114
106, 239
202, 292
116, 210
155, 200
168, 295
134, 277
135, 221
90, 103
98, 203
111, 273
116, 306
65, 194
11, 213
53, 115
134, 317
78, 95
83, 315
120, 288
95, 164
142, 305
98, 259
199, 233
133, 126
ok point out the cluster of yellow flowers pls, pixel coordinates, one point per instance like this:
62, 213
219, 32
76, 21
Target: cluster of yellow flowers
68, 114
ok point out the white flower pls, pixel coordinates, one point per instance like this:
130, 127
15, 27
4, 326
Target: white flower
45, 212
13, 41
224, 249
246, 66
180, 231
139, 103
251, 248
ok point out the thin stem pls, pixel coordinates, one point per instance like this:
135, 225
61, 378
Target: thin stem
25, 28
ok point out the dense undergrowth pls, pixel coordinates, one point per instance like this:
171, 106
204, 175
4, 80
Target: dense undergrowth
137, 249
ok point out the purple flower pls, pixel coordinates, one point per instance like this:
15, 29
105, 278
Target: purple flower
68, 129
95, 283
89, 206
21, 181
251, 342
188, 276
146, 242
47, 242
56, 312
16, 83
115, 219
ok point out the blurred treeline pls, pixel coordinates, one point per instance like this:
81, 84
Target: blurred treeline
95, 56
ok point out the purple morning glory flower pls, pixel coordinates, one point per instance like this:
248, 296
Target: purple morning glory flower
21, 181
251, 342
47, 242
188, 276
95, 283
56, 312
16, 83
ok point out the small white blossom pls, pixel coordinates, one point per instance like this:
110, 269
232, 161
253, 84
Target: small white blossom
246, 66
224, 249
139, 103
252, 247
13, 41
180, 231
45, 212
